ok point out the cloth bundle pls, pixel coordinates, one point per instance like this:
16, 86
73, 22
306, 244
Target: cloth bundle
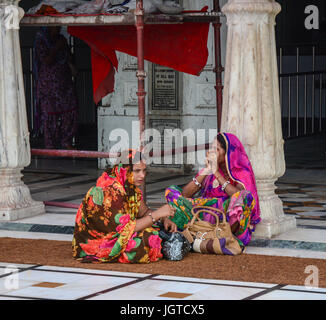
104, 6
60, 6
208, 238
174, 245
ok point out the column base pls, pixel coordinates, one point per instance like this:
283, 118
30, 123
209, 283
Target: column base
15, 198
273, 220
268, 229
34, 209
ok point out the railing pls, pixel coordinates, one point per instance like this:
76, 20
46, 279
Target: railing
302, 89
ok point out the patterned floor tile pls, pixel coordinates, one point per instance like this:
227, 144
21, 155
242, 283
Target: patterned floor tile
48, 284
175, 295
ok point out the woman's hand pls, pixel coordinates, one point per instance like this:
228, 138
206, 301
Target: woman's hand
170, 225
165, 211
212, 161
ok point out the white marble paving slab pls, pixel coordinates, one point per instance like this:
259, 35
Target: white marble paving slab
94, 271
51, 219
89, 285
55, 209
308, 209
164, 184
58, 194
295, 195
59, 182
215, 281
311, 222
286, 252
17, 265
312, 214
291, 295
285, 186
315, 188
301, 234
48, 276
290, 199
151, 289
128, 293
308, 289
12, 298
146, 290
224, 293
35, 235
74, 285
7, 288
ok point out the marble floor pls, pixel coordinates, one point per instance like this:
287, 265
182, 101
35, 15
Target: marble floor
37, 282
63, 183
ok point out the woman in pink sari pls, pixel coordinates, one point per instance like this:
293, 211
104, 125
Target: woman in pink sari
227, 183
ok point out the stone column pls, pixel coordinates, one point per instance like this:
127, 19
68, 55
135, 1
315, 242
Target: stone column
251, 106
15, 198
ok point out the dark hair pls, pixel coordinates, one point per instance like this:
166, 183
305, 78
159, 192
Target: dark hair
127, 158
221, 140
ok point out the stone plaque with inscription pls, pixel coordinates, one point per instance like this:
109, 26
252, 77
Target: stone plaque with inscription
161, 125
165, 88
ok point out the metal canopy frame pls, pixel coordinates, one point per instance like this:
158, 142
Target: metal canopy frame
139, 18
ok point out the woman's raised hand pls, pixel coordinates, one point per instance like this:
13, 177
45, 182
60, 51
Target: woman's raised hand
211, 162
164, 211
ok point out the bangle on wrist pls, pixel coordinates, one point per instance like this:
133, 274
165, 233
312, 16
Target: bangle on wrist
150, 214
196, 182
225, 185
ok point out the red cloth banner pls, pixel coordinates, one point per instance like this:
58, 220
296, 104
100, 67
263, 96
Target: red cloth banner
182, 47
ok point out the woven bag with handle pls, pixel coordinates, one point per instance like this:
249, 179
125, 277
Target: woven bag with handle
209, 238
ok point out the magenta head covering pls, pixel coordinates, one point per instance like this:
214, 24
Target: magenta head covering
239, 169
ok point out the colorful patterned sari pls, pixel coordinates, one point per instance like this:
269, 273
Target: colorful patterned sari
106, 219
241, 207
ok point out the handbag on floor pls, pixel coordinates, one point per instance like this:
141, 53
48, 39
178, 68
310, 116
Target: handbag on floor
208, 238
174, 244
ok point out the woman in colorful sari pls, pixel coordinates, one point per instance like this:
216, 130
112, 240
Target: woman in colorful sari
113, 224
226, 183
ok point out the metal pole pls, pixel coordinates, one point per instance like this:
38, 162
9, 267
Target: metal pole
141, 74
305, 105
313, 92
32, 86
297, 95
289, 109
218, 64
320, 100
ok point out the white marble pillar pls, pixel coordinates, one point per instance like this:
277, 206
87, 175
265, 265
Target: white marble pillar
15, 198
251, 106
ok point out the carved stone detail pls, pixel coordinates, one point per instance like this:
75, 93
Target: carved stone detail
129, 63
206, 96
130, 94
